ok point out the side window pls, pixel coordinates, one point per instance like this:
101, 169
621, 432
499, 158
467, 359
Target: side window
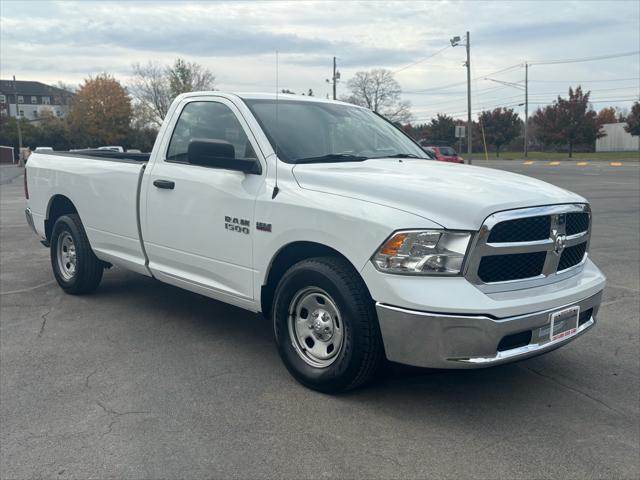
208, 121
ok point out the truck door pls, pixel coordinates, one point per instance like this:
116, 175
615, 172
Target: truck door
197, 220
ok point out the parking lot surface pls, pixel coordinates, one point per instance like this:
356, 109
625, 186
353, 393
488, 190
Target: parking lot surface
142, 379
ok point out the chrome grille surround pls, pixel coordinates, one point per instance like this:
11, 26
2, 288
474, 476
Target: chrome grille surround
481, 248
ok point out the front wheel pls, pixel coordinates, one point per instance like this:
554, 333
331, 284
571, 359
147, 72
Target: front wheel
74, 264
326, 326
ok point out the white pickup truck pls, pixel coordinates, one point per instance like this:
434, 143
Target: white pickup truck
332, 223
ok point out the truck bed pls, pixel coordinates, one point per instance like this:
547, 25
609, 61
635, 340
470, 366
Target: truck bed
104, 187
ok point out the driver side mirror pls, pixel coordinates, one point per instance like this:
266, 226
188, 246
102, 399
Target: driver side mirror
219, 154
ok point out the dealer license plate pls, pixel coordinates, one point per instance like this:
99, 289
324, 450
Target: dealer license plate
564, 323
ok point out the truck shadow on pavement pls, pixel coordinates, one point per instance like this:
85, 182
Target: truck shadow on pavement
159, 307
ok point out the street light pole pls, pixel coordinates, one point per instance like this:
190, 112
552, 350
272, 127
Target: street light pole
526, 110
15, 97
455, 41
469, 124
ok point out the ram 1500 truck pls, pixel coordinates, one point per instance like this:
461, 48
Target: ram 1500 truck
331, 222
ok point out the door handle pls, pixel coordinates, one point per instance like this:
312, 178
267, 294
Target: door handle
168, 184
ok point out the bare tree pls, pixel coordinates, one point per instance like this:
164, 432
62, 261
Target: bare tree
155, 86
380, 92
150, 88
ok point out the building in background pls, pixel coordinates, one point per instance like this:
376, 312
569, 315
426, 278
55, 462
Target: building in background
617, 139
33, 100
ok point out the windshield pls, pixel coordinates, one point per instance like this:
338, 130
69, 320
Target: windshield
448, 151
327, 132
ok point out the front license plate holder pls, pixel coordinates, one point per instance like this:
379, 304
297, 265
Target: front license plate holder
564, 323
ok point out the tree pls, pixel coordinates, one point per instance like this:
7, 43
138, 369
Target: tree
187, 77
633, 120
622, 113
606, 115
9, 132
150, 89
410, 130
568, 120
101, 112
379, 91
442, 129
141, 138
52, 131
500, 126
155, 86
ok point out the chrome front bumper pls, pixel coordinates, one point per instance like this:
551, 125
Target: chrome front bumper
439, 340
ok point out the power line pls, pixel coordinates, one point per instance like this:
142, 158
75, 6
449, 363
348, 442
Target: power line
444, 87
483, 91
461, 99
586, 59
536, 95
421, 60
509, 105
592, 91
519, 65
586, 81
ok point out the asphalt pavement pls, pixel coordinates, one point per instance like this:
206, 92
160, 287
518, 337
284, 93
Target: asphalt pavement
144, 380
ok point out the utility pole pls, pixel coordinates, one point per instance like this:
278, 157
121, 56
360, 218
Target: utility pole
334, 78
469, 124
15, 97
526, 110
455, 41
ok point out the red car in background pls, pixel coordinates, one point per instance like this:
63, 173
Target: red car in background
444, 154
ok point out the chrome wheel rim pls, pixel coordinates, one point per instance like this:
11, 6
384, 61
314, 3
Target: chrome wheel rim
315, 327
67, 260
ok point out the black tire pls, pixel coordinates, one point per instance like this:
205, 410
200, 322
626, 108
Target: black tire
361, 351
88, 269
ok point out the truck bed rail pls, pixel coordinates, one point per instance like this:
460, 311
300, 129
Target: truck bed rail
103, 155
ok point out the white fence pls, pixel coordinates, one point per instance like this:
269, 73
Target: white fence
617, 139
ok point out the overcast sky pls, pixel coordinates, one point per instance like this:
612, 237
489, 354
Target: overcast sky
68, 41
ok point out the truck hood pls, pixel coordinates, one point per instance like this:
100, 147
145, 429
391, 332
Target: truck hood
454, 196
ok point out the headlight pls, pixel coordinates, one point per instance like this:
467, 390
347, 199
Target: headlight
423, 252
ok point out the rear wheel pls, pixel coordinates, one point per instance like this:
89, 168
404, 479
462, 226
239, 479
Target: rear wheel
326, 326
75, 266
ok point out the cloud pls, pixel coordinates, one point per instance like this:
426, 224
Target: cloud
544, 31
68, 41
194, 40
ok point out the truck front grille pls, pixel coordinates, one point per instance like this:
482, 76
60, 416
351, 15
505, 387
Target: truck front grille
521, 230
577, 223
535, 245
502, 268
572, 256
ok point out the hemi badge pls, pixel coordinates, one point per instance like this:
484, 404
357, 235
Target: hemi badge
265, 227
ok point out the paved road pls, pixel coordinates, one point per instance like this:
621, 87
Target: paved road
145, 380
8, 173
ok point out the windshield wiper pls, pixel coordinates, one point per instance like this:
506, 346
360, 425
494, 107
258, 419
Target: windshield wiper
332, 157
400, 155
